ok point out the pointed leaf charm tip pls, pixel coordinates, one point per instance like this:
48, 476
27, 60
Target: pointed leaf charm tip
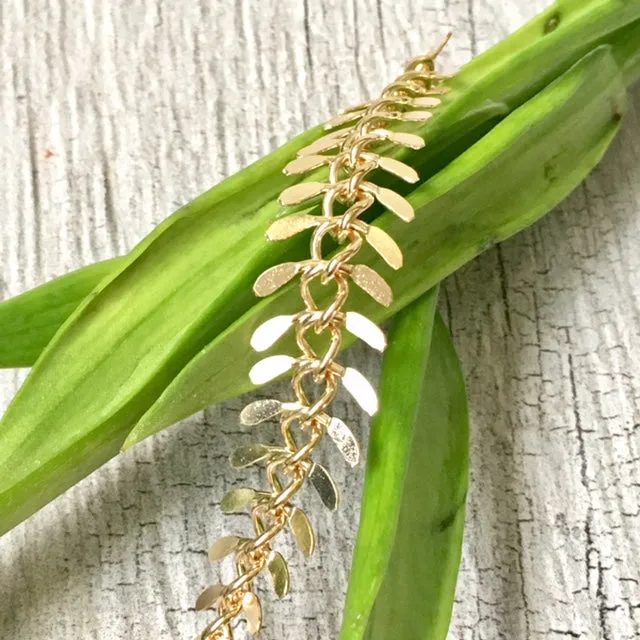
344, 439
374, 284
274, 278
270, 368
269, 332
361, 389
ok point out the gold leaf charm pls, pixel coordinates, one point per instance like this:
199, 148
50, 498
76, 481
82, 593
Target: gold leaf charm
410, 140
302, 531
249, 454
275, 277
269, 332
270, 368
326, 143
225, 547
280, 574
345, 118
260, 411
237, 500
399, 169
362, 391
302, 192
344, 440
290, 226
426, 101
303, 164
361, 327
386, 246
392, 200
368, 280
416, 116
209, 598
325, 486
252, 612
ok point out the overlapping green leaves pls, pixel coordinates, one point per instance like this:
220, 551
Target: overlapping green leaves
165, 334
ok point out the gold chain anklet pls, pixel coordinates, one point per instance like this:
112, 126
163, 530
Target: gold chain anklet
349, 153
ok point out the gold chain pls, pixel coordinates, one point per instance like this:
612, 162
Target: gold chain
348, 152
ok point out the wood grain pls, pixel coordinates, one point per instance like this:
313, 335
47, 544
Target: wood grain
114, 114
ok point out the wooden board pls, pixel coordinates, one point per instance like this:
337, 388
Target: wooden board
115, 113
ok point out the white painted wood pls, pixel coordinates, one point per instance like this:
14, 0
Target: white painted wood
115, 113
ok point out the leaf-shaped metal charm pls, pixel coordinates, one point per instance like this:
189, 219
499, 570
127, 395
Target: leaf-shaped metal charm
410, 140
368, 280
400, 169
274, 278
269, 332
362, 391
325, 486
302, 531
299, 193
426, 101
237, 500
279, 571
290, 226
392, 200
303, 164
417, 116
260, 411
345, 118
224, 547
361, 327
386, 246
344, 439
210, 596
356, 107
270, 368
250, 454
252, 612
326, 143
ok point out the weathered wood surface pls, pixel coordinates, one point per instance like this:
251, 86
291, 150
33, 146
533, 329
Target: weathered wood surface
115, 113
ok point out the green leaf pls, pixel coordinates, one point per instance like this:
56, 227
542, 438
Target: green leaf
407, 554
188, 286
514, 175
402, 387
488, 88
29, 321
127, 340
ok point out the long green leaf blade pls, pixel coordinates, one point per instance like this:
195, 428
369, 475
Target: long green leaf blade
418, 590
513, 176
402, 383
29, 321
530, 58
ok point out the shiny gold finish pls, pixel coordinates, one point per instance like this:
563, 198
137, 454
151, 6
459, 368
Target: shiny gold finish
253, 612
373, 283
210, 597
260, 411
325, 486
386, 246
352, 154
291, 226
272, 279
250, 454
279, 571
302, 531
224, 547
237, 500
